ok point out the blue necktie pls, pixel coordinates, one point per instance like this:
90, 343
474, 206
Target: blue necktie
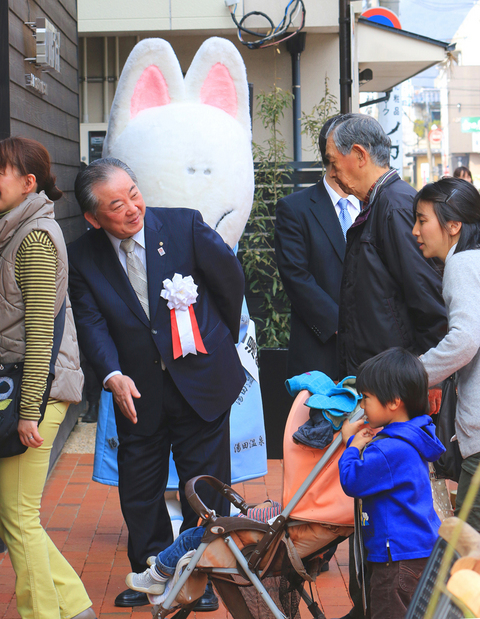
344, 216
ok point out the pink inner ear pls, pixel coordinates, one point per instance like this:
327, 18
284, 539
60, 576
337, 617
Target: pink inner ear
151, 90
219, 90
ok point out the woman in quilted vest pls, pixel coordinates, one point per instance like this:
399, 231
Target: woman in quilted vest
33, 291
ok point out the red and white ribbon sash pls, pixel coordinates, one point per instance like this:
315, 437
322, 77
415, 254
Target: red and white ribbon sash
181, 293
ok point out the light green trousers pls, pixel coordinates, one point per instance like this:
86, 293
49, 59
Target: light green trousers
47, 587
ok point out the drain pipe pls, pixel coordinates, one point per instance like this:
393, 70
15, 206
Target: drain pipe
345, 56
296, 46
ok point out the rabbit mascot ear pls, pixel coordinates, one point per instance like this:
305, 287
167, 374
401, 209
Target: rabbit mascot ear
188, 141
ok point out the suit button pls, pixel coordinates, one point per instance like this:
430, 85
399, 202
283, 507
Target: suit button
156, 361
154, 332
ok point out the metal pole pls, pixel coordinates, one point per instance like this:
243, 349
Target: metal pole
106, 108
4, 72
345, 57
117, 61
257, 583
85, 83
297, 108
295, 46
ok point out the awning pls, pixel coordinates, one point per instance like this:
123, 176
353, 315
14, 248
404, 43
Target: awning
394, 55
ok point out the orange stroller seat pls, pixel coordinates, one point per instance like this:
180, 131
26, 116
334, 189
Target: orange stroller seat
324, 501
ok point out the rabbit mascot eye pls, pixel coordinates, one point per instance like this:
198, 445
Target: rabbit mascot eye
188, 140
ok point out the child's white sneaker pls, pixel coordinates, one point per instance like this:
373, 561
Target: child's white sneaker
146, 582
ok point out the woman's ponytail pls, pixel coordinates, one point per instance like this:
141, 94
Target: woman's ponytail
52, 191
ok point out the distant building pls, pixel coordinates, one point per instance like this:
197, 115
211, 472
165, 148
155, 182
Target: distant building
422, 131
459, 83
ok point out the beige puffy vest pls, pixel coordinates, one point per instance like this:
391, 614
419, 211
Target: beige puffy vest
36, 213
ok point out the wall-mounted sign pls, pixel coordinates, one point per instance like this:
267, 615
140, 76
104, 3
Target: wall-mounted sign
470, 124
382, 16
48, 44
35, 83
47, 39
475, 142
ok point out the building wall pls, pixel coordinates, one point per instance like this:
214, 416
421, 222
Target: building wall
466, 37
51, 119
121, 16
460, 86
265, 67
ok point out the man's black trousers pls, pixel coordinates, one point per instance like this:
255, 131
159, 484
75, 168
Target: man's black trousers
199, 448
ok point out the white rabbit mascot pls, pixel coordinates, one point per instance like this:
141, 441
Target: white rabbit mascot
188, 140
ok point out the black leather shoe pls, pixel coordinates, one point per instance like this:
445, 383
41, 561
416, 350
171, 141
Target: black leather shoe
131, 598
208, 602
91, 416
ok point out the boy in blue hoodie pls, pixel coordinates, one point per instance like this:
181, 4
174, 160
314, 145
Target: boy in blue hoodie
390, 475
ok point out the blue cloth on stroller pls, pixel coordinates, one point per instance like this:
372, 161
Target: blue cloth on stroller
329, 404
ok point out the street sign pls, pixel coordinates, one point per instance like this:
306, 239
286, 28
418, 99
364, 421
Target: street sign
383, 16
435, 136
470, 124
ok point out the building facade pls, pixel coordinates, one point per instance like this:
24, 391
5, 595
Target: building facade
39, 89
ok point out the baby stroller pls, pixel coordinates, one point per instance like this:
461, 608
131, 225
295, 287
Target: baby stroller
259, 569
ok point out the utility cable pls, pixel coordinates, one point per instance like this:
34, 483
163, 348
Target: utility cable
275, 34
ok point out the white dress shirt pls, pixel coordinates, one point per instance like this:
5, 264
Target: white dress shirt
140, 250
354, 207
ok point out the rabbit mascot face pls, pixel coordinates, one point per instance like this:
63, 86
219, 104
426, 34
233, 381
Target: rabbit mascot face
187, 140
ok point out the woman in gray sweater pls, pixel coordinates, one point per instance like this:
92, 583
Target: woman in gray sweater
447, 216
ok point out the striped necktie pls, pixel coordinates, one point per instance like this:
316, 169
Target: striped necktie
136, 274
344, 216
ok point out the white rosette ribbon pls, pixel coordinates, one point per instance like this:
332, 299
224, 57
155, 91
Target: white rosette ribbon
181, 293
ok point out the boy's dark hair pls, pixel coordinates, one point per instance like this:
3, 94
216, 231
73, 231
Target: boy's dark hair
396, 373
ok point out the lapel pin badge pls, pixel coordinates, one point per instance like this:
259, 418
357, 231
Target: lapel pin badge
160, 250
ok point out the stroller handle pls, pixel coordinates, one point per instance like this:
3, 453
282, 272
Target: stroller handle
199, 506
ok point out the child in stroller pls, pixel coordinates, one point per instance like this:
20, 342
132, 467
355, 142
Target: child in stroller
155, 578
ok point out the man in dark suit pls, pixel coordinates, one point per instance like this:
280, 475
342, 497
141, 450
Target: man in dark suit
117, 272
310, 247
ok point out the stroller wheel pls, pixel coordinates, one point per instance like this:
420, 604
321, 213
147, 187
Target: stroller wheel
181, 614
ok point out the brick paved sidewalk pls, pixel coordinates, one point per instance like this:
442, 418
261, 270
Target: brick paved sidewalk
84, 520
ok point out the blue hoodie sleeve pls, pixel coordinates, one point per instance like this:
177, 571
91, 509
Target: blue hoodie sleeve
361, 478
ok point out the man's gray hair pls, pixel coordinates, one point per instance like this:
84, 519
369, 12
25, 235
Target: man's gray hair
97, 172
365, 131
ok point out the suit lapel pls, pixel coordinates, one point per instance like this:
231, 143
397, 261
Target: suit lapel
324, 211
109, 264
156, 263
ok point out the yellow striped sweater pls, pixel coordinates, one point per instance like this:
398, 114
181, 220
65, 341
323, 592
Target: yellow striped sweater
35, 271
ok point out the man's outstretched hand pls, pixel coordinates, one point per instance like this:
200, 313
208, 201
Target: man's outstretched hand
124, 390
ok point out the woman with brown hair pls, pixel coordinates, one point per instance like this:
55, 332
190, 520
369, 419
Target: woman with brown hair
33, 291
